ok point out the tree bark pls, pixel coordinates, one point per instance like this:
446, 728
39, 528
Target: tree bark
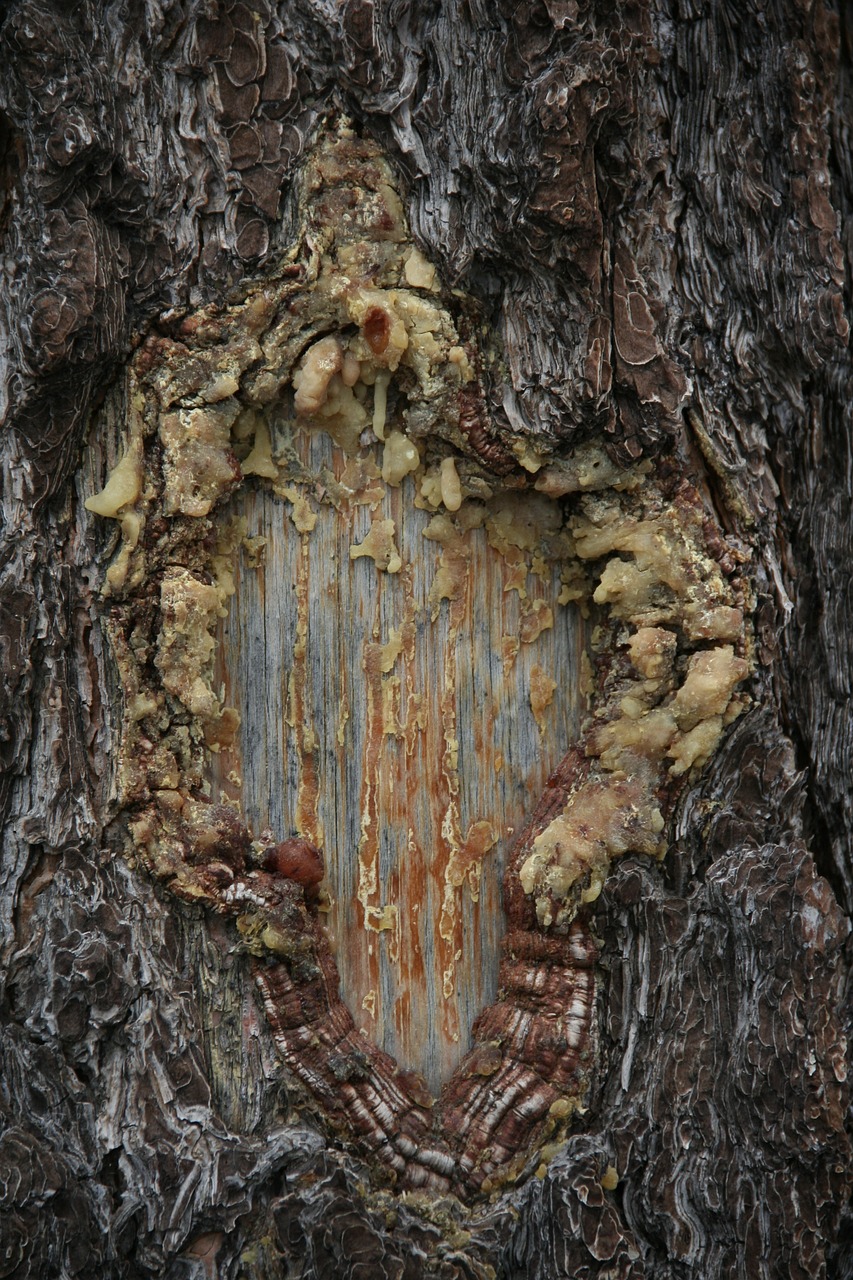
646, 215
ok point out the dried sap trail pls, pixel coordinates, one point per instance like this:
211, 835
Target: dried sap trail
400, 718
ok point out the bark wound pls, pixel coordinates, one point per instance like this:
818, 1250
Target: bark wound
386, 684
353, 335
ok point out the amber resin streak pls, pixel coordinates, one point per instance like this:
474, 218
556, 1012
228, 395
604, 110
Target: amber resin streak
353, 338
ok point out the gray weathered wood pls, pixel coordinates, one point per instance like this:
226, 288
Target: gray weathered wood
374, 783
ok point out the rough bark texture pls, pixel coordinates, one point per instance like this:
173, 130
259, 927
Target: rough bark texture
654, 208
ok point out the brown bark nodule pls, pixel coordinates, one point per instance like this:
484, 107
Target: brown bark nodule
646, 214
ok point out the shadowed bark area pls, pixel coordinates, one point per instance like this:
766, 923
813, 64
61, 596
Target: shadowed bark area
653, 207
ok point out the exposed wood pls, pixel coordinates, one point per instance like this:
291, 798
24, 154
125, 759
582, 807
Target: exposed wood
402, 742
647, 212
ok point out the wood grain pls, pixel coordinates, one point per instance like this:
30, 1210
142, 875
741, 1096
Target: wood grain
410, 769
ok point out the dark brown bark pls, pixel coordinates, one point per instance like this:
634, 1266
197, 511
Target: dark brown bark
652, 209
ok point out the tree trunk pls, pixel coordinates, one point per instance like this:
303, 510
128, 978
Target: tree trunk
564, 285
